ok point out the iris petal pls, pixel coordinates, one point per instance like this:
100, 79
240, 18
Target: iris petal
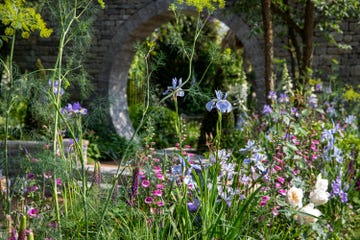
210, 105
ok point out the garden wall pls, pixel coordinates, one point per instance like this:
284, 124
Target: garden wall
124, 22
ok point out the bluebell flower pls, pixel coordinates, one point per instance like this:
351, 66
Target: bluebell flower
176, 88
220, 103
267, 109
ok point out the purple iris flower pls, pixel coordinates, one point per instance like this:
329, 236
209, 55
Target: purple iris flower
338, 154
194, 205
267, 109
272, 95
74, 109
283, 98
176, 87
318, 87
336, 186
220, 103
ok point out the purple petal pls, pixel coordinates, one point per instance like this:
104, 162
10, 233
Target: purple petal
210, 105
219, 94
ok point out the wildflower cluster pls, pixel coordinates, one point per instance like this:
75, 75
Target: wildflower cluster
201, 4
16, 16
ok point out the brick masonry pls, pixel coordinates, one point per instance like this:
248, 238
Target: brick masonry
124, 22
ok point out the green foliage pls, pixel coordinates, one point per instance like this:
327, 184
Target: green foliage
201, 4
106, 144
160, 119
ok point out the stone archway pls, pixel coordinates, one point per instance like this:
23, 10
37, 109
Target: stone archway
140, 25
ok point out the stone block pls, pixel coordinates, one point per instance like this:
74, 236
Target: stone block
355, 71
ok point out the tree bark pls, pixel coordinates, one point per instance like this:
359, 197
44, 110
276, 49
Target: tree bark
307, 39
269, 45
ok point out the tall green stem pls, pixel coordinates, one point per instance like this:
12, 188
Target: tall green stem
7, 112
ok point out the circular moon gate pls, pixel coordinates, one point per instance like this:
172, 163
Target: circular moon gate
118, 60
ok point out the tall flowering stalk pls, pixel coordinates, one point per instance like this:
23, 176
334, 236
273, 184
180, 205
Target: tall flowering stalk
16, 17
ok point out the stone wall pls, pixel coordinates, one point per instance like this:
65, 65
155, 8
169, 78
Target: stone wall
124, 22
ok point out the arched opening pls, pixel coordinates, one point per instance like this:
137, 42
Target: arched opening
216, 64
117, 61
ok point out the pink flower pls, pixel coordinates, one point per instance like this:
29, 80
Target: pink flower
264, 200
160, 203
31, 176
32, 189
278, 160
157, 169
58, 181
159, 186
277, 185
47, 175
157, 192
159, 176
280, 180
282, 192
149, 200
32, 212
156, 160
277, 168
145, 183
275, 211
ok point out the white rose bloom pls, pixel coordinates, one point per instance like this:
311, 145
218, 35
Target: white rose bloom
321, 184
305, 218
294, 197
319, 197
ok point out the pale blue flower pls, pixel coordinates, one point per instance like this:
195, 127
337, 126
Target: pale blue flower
220, 103
176, 87
249, 146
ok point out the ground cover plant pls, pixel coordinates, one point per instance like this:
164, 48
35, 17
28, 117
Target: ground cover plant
289, 171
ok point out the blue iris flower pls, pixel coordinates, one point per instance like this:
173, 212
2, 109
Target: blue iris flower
176, 87
220, 103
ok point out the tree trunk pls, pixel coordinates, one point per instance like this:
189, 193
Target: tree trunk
269, 45
307, 38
